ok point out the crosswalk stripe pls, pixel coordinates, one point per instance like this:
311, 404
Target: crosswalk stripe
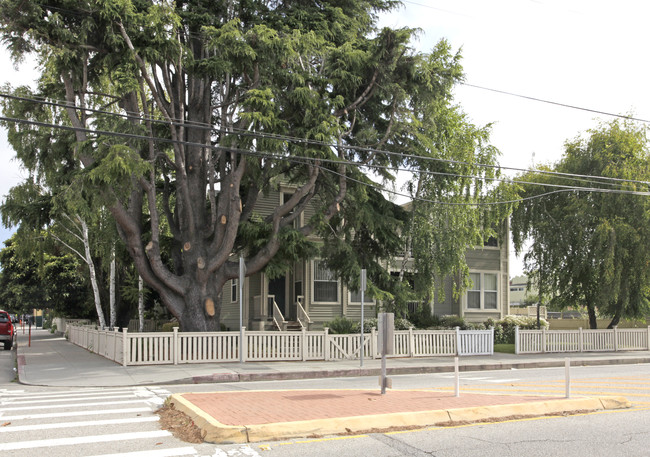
83, 391
73, 414
57, 400
102, 403
27, 397
154, 453
83, 440
25, 428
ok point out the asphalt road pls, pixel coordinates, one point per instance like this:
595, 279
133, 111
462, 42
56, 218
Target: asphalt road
7, 365
612, 433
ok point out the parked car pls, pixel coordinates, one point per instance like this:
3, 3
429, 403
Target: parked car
6, 330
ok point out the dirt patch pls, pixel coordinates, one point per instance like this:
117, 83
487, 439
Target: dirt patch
179, 424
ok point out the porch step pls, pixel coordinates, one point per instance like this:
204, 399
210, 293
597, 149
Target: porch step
293, 326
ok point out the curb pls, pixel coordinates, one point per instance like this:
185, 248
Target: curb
359, 372
215, 432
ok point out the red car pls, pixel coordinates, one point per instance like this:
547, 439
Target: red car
6, 330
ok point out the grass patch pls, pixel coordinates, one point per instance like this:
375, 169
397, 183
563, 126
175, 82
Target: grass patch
507, 348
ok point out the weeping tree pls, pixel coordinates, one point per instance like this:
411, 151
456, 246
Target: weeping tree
177, 118
589, 233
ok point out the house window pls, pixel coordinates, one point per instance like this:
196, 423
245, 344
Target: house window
234, 287
474, 291
326, 286
483, 292
355, 297
491, 242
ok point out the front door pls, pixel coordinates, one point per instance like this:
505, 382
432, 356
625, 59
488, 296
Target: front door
278, 287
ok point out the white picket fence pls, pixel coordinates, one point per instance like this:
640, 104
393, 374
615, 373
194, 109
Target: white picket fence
176, 347
581, 340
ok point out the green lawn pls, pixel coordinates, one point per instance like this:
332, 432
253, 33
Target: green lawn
507, 348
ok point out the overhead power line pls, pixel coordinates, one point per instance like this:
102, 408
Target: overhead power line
314, 160
266, 135
550, 102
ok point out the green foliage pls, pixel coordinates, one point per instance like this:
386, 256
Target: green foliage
603, 265
342, 326
303, 93
168, 326
504, 329
49, 280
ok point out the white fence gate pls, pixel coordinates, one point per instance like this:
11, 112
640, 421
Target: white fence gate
157, 348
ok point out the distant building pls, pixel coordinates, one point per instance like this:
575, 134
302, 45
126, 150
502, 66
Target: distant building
519, 290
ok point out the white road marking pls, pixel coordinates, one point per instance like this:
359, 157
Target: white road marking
100, 403
58, 400
81, 391
25, 428
83, 440
73, 414
156, 453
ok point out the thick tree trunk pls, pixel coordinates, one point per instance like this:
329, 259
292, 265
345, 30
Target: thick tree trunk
617, 316
112, 307
593, 323
141, 304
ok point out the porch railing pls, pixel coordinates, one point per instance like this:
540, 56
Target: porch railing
278, 318
302, 316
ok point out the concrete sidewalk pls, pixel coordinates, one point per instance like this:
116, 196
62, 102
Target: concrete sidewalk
51, 360
236, 417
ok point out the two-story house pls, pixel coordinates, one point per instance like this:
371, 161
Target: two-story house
308, 288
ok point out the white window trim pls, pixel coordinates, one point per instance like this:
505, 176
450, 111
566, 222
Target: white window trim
234, 285
300, 220
313, 289
365, 297
482, 308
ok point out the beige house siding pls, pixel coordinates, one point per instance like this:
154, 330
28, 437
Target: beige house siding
486, 260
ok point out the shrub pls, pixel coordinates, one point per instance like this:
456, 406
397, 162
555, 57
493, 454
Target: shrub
168, 326
342, 326
423, 318
504, 329
345, 326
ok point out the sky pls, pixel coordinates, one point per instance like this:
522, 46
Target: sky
585, 53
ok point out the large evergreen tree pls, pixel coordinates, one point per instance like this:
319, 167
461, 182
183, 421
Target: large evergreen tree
590, 247
214, 103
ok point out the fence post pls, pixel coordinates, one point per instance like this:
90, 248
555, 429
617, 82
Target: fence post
115, 330
517, 348
411, 343
126, 355
373, 341
303, 344
326, 344
457, 340
615, 338
492, 340
581, 342
544, 340
243, 345
175, 346
648, 341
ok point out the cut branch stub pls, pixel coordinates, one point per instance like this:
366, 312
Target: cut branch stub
200, 263
187, 246
224, 219
209, 307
